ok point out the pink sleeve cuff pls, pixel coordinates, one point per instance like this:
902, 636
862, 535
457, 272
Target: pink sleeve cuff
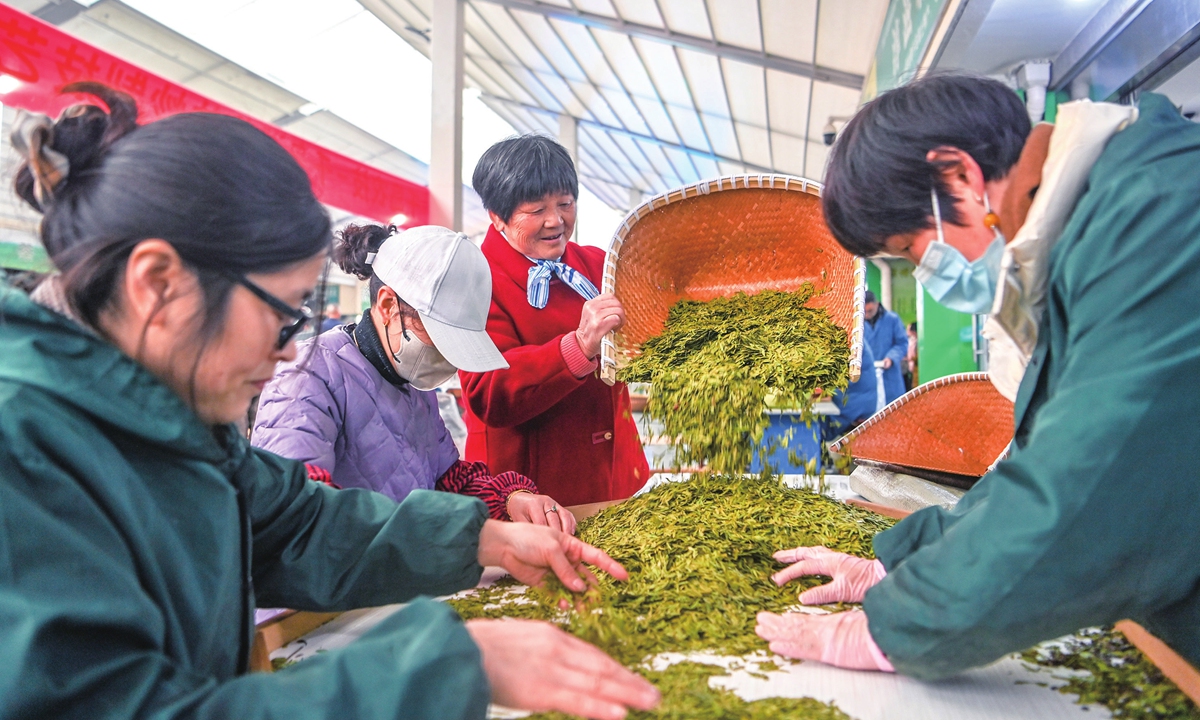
576, 361
879, 569
877, 654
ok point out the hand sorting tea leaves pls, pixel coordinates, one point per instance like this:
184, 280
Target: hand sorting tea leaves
716, 363
700, 559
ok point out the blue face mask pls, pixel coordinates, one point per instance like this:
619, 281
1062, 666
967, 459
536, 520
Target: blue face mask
967, 287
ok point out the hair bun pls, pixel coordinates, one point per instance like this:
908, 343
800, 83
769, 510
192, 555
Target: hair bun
70, 145
353, 243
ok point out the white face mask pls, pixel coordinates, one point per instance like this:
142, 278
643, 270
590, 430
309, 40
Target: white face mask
951, 279
422, 365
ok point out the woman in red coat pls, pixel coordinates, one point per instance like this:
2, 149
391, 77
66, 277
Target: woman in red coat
547, 416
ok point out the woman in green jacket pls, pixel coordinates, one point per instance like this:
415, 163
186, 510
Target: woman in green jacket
139, 529
1074, 529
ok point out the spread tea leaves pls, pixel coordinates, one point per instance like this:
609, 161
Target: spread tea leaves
699, 555
1118, 676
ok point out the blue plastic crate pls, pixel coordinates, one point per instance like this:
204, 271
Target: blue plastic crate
805, 442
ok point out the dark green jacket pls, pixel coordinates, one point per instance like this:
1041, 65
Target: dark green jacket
1096, 517
135, 542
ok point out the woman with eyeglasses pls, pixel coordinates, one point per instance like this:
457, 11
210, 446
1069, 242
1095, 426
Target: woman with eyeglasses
359, 405
139, 529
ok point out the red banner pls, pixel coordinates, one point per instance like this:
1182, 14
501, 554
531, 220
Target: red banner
44, 59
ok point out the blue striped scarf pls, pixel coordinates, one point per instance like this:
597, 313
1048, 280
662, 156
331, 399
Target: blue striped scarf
538, 286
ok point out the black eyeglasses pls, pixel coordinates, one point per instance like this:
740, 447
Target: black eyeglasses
302, 315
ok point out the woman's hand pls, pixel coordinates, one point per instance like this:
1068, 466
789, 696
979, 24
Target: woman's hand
852, 576
535, 666
601, 315
529, 551
540, 510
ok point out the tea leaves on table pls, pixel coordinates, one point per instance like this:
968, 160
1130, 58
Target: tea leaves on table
699, 555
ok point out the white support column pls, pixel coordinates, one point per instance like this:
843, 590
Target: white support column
635, 198
568, 137
445, 157
885, 282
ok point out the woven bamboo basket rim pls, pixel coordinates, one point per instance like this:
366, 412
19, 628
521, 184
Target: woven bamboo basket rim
609, 350
899, 405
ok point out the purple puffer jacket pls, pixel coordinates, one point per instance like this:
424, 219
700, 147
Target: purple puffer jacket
333, 409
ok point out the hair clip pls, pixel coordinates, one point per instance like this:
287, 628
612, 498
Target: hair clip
32, 136
371, 258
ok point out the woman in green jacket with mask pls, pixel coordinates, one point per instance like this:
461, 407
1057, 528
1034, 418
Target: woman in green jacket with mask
1098, 287
139, 529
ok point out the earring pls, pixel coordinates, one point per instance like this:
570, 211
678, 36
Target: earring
990, 220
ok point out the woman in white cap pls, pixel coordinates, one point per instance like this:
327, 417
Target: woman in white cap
358, 405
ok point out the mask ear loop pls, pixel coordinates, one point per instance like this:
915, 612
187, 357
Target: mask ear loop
937, 215
403, 327
387, 338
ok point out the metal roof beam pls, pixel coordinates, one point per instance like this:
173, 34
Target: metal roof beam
1108, 22
635, 135
1143, 43
689, 42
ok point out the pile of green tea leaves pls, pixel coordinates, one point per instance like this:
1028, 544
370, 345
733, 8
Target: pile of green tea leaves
699, 556
687, 696
1118, 676
718, 364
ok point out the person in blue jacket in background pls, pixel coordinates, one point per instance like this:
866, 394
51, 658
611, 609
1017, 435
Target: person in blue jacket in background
859, 401
884, 332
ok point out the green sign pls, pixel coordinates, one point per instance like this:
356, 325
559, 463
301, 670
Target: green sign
20, 256
944, 344
907, 29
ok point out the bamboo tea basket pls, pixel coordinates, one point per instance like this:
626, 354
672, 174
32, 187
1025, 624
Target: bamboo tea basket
741, 233
956, 425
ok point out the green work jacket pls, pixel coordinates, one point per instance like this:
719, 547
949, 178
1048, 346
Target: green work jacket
1096, 516
135, 542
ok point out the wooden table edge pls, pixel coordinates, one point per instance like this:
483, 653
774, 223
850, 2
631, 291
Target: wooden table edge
1173, 665
277, 632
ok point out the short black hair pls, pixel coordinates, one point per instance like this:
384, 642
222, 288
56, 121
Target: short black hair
877, 181
521, 169
869, 297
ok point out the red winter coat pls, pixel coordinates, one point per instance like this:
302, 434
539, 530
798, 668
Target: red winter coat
575, 437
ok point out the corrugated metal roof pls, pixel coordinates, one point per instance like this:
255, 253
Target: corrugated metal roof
666, 92
129, 34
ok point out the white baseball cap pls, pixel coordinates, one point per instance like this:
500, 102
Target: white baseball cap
447, 280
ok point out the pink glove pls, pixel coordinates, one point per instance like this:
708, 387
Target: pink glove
852, 576
838, 639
